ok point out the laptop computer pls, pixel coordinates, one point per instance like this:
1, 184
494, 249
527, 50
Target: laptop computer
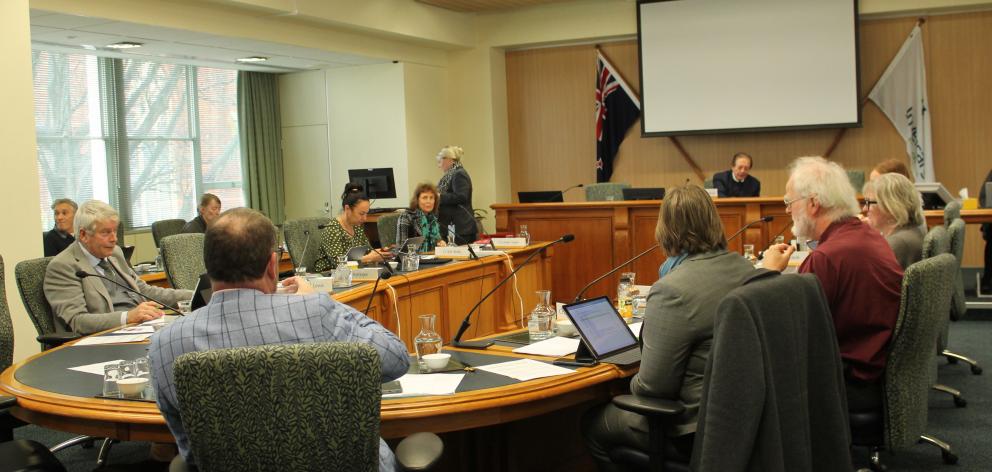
202, 293
647, 193
540, 197
605, 335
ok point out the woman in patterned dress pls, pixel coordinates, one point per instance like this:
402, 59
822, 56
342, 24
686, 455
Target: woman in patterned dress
346, 231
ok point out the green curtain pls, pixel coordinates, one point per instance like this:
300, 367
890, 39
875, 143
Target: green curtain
261, 136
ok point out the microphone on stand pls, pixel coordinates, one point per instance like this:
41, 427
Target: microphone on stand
82, 274
763, 219
471, 252
384, 274
457, 340
613, 271
553, 197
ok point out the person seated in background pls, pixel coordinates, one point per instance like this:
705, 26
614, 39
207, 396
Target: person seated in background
888, 166
420, 219
208, 210
678, 324
737, 182
346, 231
894, 208
859, 273
243, 270
61, 236
91, 304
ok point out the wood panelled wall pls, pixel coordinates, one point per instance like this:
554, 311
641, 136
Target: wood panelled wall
550, 100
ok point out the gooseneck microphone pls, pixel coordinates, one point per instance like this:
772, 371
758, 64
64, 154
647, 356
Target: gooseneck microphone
563, 192
384, 274
763, 219
612, 271
82, 274
457, 341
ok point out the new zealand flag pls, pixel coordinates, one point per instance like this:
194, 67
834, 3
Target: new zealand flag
617, 108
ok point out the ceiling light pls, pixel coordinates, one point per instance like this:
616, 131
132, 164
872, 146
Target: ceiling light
125, 45
252, 59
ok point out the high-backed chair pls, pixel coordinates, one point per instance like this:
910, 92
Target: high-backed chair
959, 306
902, 420
857, 178
30, 277
937, 241
303, 240
320, 413
952, 211
182, 255
7, 421
388, 226
605, 191
163, 228
761, 427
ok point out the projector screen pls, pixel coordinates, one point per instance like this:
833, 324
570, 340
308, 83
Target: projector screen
722, 66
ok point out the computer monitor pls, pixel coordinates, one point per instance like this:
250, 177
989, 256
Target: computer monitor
541, 197
935, 196
378, 183
646, 193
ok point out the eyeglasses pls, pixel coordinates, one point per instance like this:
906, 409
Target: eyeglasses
789, 202
869, 203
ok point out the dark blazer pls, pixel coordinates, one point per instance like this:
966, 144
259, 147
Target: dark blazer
726, 186
196, 225
774, 398
456, 207
56, 242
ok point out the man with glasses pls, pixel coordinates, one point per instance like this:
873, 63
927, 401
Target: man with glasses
91, 304
859, 273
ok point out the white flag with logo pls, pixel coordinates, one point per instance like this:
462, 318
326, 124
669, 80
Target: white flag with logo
901, 93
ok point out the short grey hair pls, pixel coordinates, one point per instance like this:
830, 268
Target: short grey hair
827, 182
898, 197
67, 201
92, 212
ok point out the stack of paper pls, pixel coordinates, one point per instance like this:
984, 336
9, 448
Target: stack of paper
112, 339
428, 384
94, 368
525, 369
553, 347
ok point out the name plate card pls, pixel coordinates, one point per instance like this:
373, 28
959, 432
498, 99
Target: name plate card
510, 242
365, 273
451, 252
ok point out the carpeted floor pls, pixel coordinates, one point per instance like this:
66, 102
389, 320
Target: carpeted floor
966, 429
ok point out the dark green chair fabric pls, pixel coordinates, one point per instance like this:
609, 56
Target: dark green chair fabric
857, 178
605, 191
308, 406
182, 255
388, 229
295, 234
6, 325
163, 228
30, 277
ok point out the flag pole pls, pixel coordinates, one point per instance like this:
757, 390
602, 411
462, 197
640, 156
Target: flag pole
864, 101
675, 141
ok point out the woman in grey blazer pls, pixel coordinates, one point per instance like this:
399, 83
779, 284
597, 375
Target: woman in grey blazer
894, 208
678, 323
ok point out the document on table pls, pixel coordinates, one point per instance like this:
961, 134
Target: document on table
525, 369
113, 339
94, 368
428, 384
636, 329
135, 330
553, 347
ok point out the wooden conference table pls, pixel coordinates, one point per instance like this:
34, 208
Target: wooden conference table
450, 287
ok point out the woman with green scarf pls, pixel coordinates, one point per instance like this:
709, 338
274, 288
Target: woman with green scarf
421, 219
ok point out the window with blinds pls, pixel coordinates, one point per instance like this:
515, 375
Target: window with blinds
149, 138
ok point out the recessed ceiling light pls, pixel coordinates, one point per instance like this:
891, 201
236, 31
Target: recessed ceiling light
251, 59
125, 45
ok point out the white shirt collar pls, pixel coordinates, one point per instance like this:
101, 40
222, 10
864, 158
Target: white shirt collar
734, 177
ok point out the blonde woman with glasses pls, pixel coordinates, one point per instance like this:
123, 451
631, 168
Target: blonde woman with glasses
893, 207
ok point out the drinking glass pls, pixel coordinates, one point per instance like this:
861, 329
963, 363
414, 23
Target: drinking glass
300, 271
111, 373
749, 252
524, 234
185, 306
541, 325
780, 239
142, 368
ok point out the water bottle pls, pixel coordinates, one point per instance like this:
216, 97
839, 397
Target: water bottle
451, 235
342, 273
540, 325
624, 297
411, 261
158, 261
427, 340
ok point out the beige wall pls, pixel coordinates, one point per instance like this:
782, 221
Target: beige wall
550, 93
425, 93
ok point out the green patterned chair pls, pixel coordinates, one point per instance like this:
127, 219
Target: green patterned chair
296, 232
387, 225
926, 297
952, 211
30, 277
605, 191
163, 228
937, 241
182, 255
321, 412
959, 306
857, 178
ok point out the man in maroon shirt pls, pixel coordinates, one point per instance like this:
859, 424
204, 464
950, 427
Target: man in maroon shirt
859, 273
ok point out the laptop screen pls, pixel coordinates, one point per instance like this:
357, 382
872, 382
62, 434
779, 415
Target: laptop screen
602, 328
202, 293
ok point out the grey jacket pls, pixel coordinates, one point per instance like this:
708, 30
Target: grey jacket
678, 329
84, 305
907, 243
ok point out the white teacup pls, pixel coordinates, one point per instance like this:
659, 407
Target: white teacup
132, 387
565, 327
393, 265
437, 361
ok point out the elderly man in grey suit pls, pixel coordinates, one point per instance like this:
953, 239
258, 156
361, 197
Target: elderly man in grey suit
678, 324
245, 310
91, 304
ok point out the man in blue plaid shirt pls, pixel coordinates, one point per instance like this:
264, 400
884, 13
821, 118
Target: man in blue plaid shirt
245, 310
